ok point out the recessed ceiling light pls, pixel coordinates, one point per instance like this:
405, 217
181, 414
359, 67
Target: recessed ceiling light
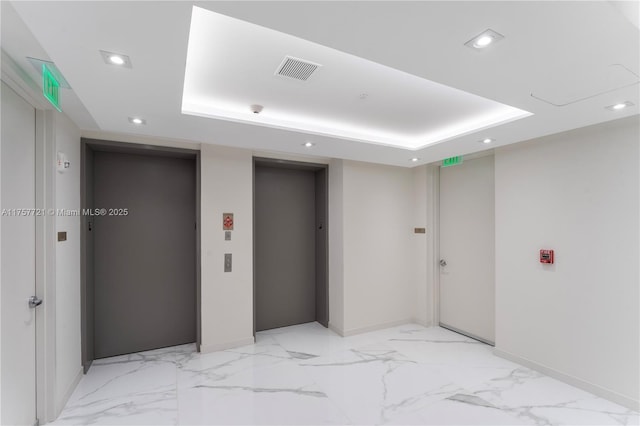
415, 159
620, 105
116, 59
308, 144
137, 121
484, 39
486, 140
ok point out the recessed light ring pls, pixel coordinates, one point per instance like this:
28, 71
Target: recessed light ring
138, 121
620, 106
484, 39
115, 59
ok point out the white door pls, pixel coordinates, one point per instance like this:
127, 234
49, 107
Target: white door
17, 258
467, 248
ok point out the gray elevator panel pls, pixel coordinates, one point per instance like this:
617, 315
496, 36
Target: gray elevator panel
284, 247
322, 304
145, 282
88, 286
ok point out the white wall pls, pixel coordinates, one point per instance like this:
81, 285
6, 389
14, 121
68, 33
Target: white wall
577, 193
420, 296
227, 298
67, 281
0, 294
379, 267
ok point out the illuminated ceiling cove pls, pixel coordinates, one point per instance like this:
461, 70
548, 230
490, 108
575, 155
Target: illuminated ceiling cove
233, 65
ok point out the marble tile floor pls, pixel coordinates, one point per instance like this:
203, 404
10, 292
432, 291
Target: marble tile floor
308, 375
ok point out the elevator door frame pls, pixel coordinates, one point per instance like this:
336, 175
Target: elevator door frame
296, 165
87, 146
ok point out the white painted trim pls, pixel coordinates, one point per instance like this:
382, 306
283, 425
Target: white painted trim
22, 83
335, 329
375, 327
572, 380
139, 139
46, 267
436, 244
67, 394
205, 349
291, 157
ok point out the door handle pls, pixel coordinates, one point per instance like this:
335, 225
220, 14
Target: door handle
34, 302
443, 262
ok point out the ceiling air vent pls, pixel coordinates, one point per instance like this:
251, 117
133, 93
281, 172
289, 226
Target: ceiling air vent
296, 68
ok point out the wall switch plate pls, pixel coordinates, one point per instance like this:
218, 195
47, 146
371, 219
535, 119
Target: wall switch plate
227, 262
227, 235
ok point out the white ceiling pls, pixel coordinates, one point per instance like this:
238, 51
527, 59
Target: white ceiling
233, 64
582, 54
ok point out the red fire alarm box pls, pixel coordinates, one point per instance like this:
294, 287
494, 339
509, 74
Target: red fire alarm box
546, 256
227, 221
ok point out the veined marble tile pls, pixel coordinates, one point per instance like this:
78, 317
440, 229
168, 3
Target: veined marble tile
534, 397
278, 394
314, 341
440, 346
465, 409
374, 384
157, 407
127, 375
137, 388
308, 375
212, 367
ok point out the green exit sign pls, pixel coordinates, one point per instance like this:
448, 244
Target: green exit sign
50, 87
452, 161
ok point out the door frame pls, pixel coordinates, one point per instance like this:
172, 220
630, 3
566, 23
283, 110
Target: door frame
435, 248
435, 259
45, 243
140, 149
290, 164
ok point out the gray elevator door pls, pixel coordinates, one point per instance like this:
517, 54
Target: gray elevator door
285, 247
145, 283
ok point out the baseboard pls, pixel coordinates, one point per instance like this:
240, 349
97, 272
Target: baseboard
336, 330
573, 381
67, 394
375, 327
424, 323
226, 345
